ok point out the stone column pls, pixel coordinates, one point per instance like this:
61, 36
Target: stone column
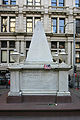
24, 23
69, 53
63, 83
22, 44
16, 27
8, 24
7, 51
14, 84
20, 23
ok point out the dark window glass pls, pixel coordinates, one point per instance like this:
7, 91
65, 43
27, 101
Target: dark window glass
29, 2
53, 3
13, 2
3, 56
61, 3
61, 25
11, 44
4, 24
78, 26
3, 44
12, 24
28, 44
54, 25
77, 3
29, 24
53, 45
5, 2
77, 56
77, 45
62, 45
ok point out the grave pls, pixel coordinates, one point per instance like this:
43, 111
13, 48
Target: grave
39, 79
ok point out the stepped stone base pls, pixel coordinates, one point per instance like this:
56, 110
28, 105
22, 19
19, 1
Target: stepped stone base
46, 99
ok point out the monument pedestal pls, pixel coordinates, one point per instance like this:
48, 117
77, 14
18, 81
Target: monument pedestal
37, 84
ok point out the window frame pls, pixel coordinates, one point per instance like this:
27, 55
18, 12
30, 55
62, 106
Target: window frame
53, 43
29, 22
10, 56
2, 57
12, 1
77, 58
77, 4
39, 3
4, 26
53, 2
12, 22
39, 19
53, 26
77, 26
28, 44
62, 26
10, 45
62, 44
28, 3
4, 46
61, 3
4, 2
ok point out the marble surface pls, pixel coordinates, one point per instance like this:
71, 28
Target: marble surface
39, 49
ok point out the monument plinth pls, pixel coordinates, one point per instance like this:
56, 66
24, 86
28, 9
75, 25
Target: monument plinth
39, 79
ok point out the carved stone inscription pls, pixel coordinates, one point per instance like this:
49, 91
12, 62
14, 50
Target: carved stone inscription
40, 80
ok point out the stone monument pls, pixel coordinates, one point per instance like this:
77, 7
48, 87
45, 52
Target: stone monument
39, 79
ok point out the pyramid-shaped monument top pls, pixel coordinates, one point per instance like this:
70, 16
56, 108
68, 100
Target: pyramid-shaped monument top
39, 49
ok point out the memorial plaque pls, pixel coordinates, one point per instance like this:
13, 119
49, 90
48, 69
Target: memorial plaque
39, 81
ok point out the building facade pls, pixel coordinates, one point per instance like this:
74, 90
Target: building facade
18, 19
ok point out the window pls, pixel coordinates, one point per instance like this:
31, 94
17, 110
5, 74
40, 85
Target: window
28, 44
29, 2
53, 3
37, 2
12, 24
3, 44
62, 45
77, 3
5, 2
4, 24
11, 44
13, 2
61, 25
78, 26
77, 56
53, 45
61, 3
77, 45
3, 56
10, 58
54, 25
37, 19
29, 24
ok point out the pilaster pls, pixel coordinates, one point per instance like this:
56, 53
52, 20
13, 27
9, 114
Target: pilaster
15, 84
8, 24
